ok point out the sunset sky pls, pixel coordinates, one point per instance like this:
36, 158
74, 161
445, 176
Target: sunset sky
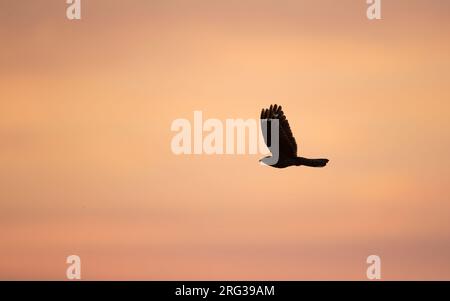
86, 166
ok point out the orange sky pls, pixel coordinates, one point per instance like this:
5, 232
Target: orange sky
86, 166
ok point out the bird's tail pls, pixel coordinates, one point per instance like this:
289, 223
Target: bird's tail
312, 162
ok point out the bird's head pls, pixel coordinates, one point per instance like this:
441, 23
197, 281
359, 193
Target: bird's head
266, 161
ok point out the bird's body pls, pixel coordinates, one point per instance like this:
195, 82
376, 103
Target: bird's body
285, 154
298, 161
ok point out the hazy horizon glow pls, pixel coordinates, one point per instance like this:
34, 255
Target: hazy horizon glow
86, 166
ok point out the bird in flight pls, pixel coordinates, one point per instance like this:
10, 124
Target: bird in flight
287, 147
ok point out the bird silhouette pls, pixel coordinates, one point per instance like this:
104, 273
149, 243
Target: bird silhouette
287, 146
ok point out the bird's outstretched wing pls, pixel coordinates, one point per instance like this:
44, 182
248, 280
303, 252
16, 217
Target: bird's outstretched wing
287, 143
